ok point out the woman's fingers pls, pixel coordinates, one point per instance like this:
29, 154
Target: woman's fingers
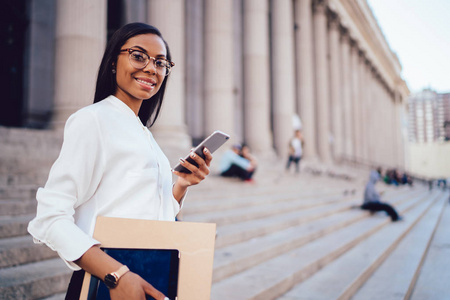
150, 290
188, 166
208, 156
202, 161
133, 286
203, 164
197, 173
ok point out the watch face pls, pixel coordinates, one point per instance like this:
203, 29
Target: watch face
110, 281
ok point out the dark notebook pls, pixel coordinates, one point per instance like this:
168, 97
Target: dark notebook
159, 267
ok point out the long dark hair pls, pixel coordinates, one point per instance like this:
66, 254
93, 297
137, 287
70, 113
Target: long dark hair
106, 80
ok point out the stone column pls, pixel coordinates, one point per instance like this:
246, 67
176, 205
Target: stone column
256, 76
346, 94
135, 10
365, 110
380, 130
194, 67
393, 128
170, 129
238, 76
322, 80
395, 152
283, 72
377, 124
80, 40
335, 89
370, 116
218, 67
388, 145
40, 68
387, 130
355, 101
361, 103
399, 127
305, 74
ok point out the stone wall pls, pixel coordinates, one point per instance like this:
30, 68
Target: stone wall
430, 159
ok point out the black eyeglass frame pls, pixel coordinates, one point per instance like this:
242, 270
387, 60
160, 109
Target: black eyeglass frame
131, 50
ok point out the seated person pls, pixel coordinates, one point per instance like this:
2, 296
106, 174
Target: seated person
372, 201
233, 164
246, 153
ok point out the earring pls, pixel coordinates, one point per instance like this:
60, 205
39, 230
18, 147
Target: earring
114, 71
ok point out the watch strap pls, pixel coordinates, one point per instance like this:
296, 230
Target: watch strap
112, 279
122, 270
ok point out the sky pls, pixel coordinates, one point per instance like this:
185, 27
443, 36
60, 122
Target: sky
418, 31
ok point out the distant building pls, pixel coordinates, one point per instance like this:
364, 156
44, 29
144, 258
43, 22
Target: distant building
429, 117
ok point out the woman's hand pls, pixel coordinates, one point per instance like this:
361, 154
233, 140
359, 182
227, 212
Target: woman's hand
132, 286
195, 177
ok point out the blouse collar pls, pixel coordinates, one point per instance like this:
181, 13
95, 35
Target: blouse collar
121, 105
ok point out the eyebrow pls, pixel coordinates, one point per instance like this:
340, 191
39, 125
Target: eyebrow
145, 51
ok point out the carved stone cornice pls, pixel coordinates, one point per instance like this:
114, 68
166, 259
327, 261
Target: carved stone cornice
361, 55
333, 20
319, 6
354, 45
344, 34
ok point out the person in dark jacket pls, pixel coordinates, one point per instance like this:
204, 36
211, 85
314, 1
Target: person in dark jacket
372, 199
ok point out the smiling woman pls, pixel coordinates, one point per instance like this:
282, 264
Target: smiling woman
105, 145
122, 39
138, 82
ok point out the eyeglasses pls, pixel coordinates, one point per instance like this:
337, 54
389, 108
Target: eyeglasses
140, 60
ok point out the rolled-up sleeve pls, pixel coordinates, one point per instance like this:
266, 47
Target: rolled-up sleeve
73, 179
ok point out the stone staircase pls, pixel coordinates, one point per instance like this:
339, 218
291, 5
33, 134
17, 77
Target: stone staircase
284, 236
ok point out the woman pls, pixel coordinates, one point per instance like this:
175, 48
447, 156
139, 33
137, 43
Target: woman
110, 164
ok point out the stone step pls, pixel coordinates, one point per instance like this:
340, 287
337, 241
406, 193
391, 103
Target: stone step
267, 207
243, 231
27, 191
60, 296
11, 226
276, 276
35, 280
16, 207
21, 250
236, 258
22, 247
358, 262
28, 286
218, 187
407, 258
194, 206
434, 277
24, 178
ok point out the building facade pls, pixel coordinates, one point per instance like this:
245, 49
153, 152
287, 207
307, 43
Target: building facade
251, 68
429, 117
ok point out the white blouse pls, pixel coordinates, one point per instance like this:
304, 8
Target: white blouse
109, 165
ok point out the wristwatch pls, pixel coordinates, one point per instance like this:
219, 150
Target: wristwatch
112, 279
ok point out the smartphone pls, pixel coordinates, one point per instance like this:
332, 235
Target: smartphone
212, 142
